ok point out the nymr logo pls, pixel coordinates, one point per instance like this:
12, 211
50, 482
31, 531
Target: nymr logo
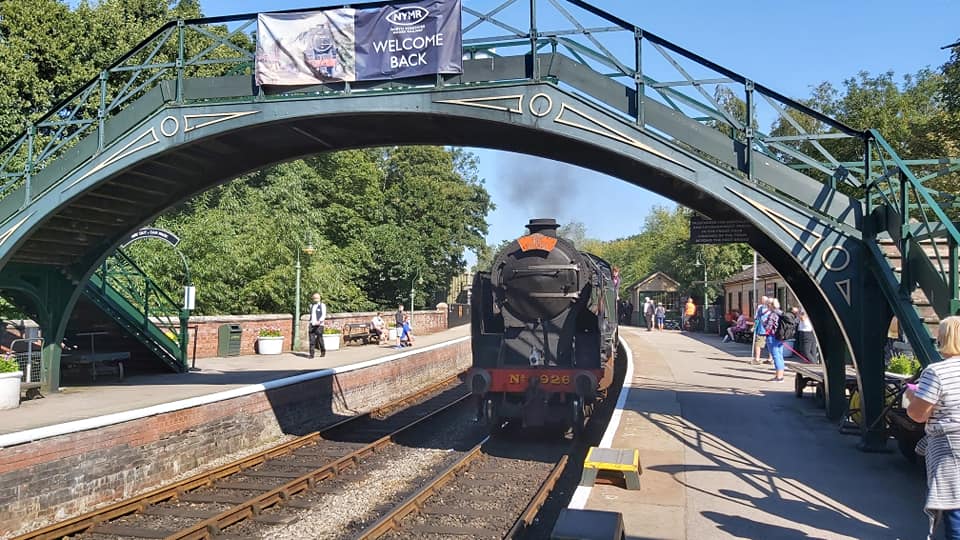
408, 16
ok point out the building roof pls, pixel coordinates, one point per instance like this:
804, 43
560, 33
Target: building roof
656, 282
764, 270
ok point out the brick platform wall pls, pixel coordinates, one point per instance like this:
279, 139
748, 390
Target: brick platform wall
60, 477
205, 330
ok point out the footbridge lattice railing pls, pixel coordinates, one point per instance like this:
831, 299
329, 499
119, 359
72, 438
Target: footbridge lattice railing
651, 68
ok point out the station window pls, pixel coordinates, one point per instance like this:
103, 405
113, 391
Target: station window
750, 296
740, 302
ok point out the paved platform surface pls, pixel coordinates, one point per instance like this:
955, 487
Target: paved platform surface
214, 375
728, 453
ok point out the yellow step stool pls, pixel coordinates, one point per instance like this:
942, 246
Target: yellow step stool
622, 460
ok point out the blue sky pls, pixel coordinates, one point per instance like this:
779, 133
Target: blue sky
789, 47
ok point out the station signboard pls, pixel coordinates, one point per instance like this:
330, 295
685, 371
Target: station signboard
710, 231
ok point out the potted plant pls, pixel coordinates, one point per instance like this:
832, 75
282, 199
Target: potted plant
10, 376
331, 338
269, 341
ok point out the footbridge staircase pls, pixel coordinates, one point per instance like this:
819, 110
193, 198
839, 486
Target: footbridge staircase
855, 229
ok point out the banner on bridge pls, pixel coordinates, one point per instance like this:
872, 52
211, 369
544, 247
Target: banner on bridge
345, 45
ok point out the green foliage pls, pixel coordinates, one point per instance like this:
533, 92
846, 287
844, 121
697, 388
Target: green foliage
379, 221
331, 330
270, 332
903, 364
8, 365
663, 245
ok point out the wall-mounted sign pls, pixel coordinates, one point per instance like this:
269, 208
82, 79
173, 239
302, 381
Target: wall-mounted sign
152, 232
710, 231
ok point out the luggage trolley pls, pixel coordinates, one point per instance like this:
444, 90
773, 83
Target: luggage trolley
27, 353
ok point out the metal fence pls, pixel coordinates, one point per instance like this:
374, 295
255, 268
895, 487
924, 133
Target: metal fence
27, 353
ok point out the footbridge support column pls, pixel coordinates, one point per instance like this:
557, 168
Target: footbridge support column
47, 295
868, 348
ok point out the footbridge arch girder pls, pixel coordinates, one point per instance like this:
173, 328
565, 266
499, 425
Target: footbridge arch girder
181, 150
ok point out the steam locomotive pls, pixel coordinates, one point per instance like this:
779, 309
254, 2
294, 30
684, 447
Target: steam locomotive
544, 328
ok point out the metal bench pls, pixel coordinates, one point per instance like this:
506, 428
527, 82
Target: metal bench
95, 363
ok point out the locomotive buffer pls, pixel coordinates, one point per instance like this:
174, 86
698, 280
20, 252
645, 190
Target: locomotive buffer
619, 460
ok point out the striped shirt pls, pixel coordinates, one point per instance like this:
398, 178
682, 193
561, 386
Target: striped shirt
940, 384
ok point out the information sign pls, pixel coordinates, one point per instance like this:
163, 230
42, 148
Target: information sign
709, 231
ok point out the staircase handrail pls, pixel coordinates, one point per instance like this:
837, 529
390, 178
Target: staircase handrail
941, 226
168, 310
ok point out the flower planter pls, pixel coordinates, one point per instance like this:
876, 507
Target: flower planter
270, 344
10, 390
393, 334
331, 342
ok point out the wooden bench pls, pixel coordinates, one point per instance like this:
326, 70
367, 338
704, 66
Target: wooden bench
359, 333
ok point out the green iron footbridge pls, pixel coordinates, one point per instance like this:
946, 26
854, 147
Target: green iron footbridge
854, 228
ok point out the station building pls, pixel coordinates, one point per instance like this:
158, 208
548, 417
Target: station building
738, 289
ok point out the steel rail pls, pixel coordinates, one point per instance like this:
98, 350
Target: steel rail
253, 506
538, 499
413, 503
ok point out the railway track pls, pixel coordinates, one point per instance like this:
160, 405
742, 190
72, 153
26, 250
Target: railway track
260, 487
494, 490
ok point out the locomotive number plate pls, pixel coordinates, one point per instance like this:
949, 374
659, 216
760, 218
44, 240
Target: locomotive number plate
522, 378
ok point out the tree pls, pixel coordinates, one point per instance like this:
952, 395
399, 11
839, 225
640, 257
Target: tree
664, 245
951, 93
375, 235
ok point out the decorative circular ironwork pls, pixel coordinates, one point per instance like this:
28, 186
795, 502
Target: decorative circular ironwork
541, 105
163, 126
833, 266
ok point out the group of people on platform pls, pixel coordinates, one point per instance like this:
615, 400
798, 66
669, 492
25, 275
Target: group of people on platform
318, 318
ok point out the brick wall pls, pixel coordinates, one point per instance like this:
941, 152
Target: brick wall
60, 477
205, 330
423, 322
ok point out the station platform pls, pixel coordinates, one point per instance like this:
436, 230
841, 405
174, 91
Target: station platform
726, 452
139, 393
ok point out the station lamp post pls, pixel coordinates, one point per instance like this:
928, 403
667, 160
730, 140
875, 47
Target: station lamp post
307, 249
415, 280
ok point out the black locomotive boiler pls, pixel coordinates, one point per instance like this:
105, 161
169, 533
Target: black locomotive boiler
544, 329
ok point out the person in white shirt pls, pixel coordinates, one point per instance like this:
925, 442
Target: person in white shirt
379, 326
808, 342
935, 400
318, 317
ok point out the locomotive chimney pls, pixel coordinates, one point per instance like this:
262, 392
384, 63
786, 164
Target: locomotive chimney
544, 226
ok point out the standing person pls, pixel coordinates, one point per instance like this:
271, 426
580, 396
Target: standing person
936, 400
808, 342
407, 335
398, 318
759, 334
648, 309
616, 278
660, 314
774, 345
688, 312
318, 317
